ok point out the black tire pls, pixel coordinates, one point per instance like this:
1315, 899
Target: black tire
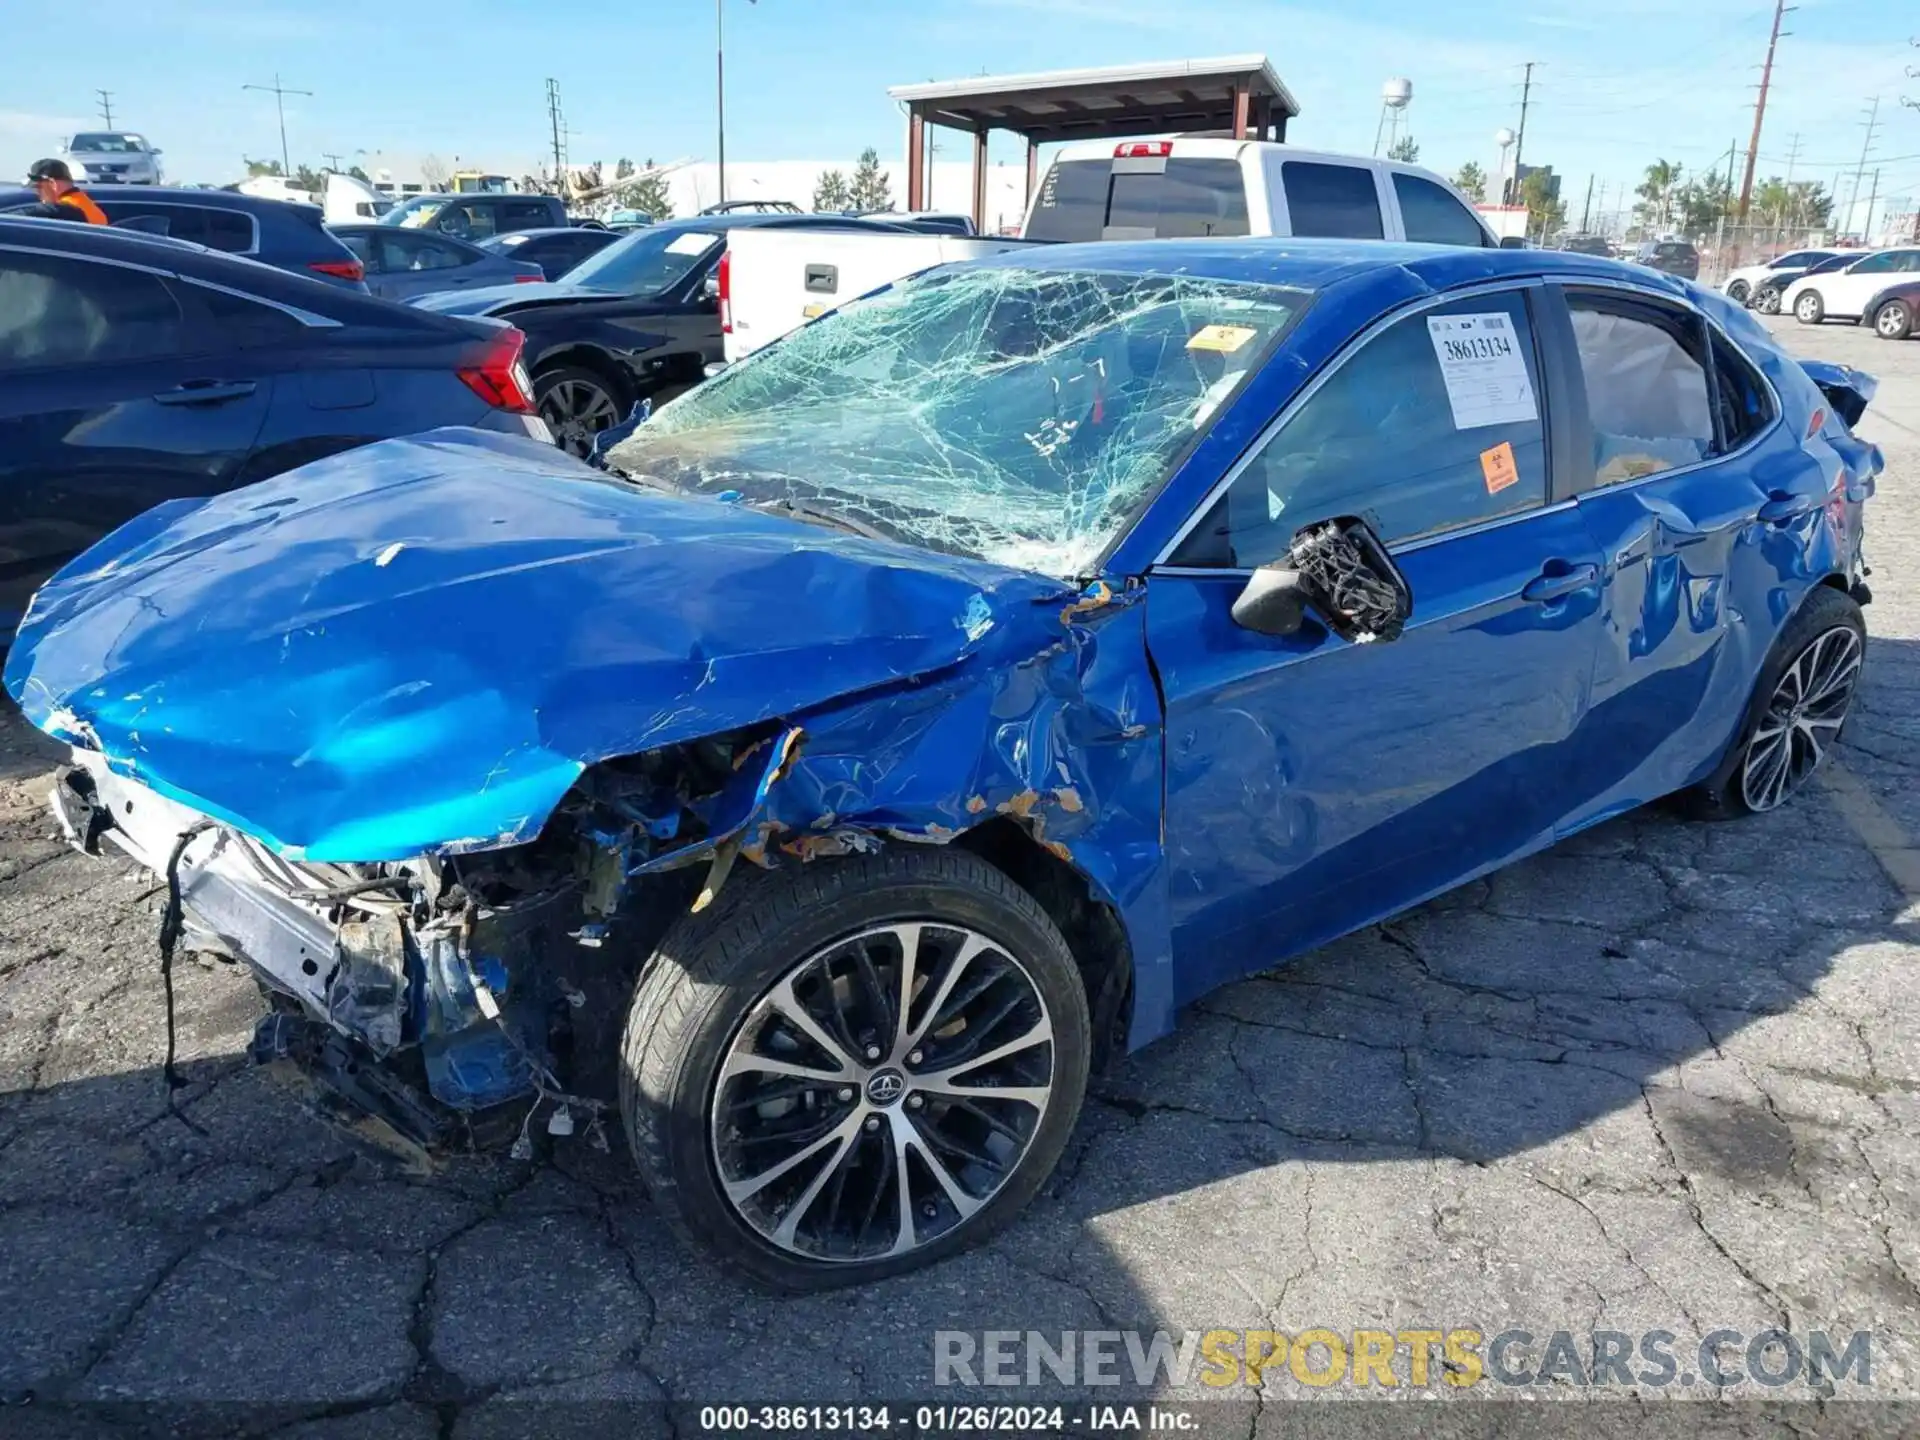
1767, 300
1893, 320
561, 393
1809, 308
1737, 292
716, 969
1723, 795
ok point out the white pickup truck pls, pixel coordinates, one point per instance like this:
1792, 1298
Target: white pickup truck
773, 281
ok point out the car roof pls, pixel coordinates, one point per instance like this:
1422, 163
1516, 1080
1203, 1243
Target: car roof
1318, 264
534, 232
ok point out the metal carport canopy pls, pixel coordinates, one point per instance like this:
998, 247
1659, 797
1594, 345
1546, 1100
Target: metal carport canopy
1237, 94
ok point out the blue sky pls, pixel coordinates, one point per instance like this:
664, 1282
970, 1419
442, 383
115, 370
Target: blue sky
1618, 83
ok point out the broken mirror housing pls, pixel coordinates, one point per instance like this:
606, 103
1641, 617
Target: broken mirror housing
1340, 570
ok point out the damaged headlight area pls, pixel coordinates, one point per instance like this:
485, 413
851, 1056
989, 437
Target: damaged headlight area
430, 990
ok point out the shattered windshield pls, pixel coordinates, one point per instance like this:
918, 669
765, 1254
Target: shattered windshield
1013, 414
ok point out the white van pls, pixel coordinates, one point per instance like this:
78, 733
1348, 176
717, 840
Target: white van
1182, 188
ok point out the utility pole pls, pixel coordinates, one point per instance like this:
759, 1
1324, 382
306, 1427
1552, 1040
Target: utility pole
1780, 8
106, 106
280, 93
559, 152
1866, 230
1520, 137
720, 85
1586, 210
1873, 122
332, 160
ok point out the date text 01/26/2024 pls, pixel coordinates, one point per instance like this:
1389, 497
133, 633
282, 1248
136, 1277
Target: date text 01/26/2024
940, 1420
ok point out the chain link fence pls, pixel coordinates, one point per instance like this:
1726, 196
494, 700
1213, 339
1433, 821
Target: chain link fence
1732, 247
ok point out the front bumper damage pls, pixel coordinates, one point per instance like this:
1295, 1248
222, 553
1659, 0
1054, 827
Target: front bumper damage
433, 991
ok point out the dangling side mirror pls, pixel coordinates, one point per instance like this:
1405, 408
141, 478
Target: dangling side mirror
1341, 571
1274, 601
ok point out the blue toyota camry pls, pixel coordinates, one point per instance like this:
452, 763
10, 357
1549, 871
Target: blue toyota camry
941, 699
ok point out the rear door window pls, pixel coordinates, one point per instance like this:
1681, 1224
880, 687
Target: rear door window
1432, 216
1155, 198
524, 215
56, 311
1647, 395
1340, 201
230, 231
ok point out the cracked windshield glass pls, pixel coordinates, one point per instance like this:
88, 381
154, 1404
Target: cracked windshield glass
1015, 415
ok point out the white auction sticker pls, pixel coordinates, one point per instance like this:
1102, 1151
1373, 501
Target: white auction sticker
694, 242
1484, 369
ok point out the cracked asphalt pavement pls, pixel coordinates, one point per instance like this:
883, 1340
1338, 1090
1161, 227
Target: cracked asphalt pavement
1666, 1076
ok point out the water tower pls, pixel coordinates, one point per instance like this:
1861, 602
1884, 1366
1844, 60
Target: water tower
1395, 96
1502, 137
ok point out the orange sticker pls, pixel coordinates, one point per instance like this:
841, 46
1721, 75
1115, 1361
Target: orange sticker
1499, 467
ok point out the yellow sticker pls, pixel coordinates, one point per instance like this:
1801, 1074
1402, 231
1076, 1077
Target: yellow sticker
1222, 338
814, 312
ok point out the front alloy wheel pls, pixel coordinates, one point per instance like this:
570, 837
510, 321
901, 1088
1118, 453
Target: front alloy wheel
1894, 320
1809, 309
1737, 292
851, 1068
577, 405
1767, 300
883, 1092
1802, 719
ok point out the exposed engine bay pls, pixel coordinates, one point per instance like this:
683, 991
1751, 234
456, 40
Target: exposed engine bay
474, 979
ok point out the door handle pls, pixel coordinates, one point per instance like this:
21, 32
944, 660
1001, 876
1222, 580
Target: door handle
1552, 584
206, 392
1784, 507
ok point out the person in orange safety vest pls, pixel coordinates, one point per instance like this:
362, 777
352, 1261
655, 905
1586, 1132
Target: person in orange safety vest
60, 198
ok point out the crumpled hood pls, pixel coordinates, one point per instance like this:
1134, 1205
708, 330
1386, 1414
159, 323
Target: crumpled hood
421, 643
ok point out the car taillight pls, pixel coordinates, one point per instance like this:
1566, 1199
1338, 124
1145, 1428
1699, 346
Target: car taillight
340, 269
528, 279
500, 379
725, 274
1143, 150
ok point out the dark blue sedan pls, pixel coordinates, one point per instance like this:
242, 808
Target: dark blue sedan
953, 691
135, 369
402, 264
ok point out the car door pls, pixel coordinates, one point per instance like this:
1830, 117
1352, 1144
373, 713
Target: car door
1312, 784
1683, 475
112, 399
1847, 293
418, 262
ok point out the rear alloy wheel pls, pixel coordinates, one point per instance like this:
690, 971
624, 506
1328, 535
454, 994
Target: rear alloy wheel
1809, 309
1737, 292
1796, 713
1893, 320
854, 1068
577, 405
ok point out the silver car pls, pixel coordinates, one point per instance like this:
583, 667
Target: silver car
113, 157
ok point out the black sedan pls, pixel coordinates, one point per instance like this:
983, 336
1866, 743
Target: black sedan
136, 369
640, 320
555, 251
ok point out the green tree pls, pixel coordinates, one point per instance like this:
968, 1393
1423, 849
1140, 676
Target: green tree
832, 193
870, 189
262, 167
1406, 150
1471, 181
622, 168
1700, 205
357, 173
1656, 193
648, 194
307, 178
1544, 213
